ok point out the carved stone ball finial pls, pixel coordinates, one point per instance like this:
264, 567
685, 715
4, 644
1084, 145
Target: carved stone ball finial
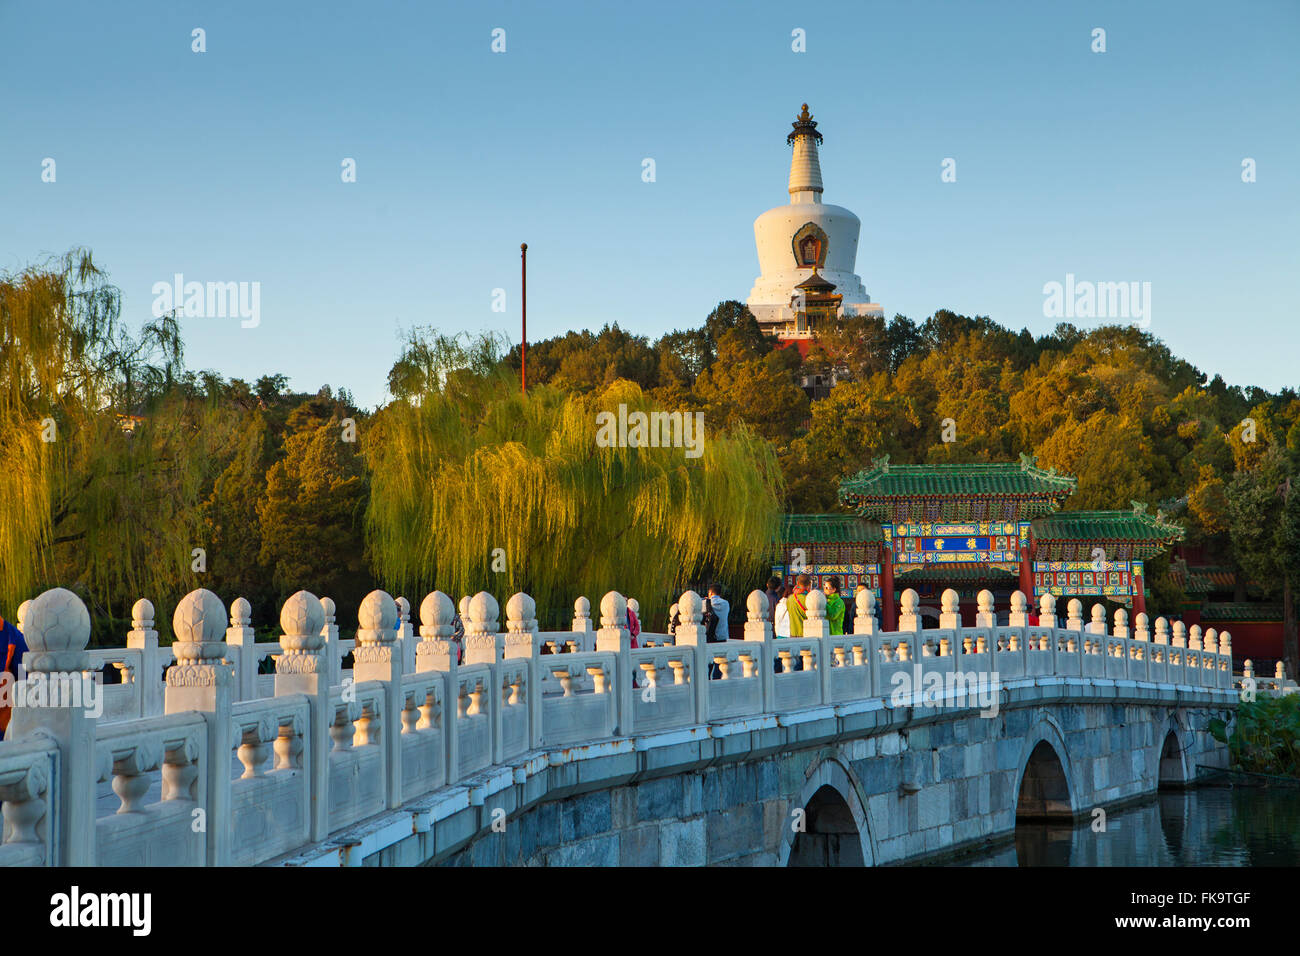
241, 612
1047, 604
302, 617
463, 607
1121, 616
984, 601
436, 611
816, 601
327, 606
910, 601
865, 603
22, 614
378, 614
582, 608
200, 627
1019, 602
521, 613
613, 610
484, 614
690, 607
142, 615
1075, 609
57, 631
756, 606
1098, 614
949, 601
403, 609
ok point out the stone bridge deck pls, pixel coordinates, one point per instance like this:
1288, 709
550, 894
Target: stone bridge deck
864, 748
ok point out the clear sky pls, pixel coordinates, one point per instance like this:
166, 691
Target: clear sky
225, 165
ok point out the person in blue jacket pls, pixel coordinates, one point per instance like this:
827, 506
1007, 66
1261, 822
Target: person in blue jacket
12, 649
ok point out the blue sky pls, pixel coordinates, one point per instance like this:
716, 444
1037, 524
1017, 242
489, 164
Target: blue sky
225, 165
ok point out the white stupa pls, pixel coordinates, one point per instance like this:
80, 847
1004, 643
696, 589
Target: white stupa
801, 238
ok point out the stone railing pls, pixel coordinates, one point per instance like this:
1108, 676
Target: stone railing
220, 765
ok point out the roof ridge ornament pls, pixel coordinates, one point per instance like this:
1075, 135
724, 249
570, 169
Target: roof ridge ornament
1139, 507
1027, 461
882, 462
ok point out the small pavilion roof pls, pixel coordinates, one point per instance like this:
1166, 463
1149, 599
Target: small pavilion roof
828, 529
1133, 526
872, 488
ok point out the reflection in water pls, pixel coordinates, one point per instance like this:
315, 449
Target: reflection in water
1206, 826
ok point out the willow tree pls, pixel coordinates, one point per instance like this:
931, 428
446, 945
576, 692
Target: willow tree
100, 458
477, 487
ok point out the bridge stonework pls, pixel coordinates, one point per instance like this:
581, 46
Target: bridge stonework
570, 748
911, 785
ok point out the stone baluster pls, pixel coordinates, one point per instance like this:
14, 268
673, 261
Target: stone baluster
1047, 610
1279, 674
1098, 623
1142, 628
332, 653
240, 634
1211, 640
56, 627
909, 619
984, 613
1225, 648
482, 643
203, 680
1074, 615
816, 624
1162, 631
1194, 637
690, 632
949, 613
1180, 634
302, 669
379, 656
582, 617
758, 623
614, 636
864, 620
521, 641
1248, 669
148, 678
406, 634
438, 651
1121, 623
1019, 614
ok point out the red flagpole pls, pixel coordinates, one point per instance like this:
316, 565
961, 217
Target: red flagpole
523, 354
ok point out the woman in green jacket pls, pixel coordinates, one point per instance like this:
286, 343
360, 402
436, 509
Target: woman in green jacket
834, 603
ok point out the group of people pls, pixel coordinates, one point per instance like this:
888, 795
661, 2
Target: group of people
788, 605
12, 649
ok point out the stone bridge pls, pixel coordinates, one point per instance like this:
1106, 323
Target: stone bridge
570, 748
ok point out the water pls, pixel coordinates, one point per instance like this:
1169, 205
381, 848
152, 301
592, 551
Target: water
1206, 826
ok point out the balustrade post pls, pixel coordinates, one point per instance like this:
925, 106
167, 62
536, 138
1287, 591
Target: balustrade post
691, 633
985, 616
582, 617
53, 701
406, 635
614, 636
521, 641
242, 636
758, 630
203, 680
864, 617
483, 644
378, 656
949, 610
438, 652
148, 676
302, 669
332, 652
909, 620
816, 625
1098, 623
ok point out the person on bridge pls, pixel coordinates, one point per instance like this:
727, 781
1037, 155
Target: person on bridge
781, 613
774, 594
12, 649
834, 603
796, 605
721, 608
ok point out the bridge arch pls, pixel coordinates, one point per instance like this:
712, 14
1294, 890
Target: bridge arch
834, 806
1046, 783
1171, 766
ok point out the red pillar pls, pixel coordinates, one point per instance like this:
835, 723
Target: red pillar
888, 620
1027, 577
1139, 596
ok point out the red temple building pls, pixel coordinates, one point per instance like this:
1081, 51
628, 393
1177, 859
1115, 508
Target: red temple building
973, 527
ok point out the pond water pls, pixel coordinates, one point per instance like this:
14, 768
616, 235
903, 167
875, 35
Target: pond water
1206, 826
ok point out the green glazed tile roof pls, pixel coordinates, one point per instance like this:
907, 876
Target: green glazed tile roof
884, 480
828, 529
1204, 579
1240, 611
1135, 525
